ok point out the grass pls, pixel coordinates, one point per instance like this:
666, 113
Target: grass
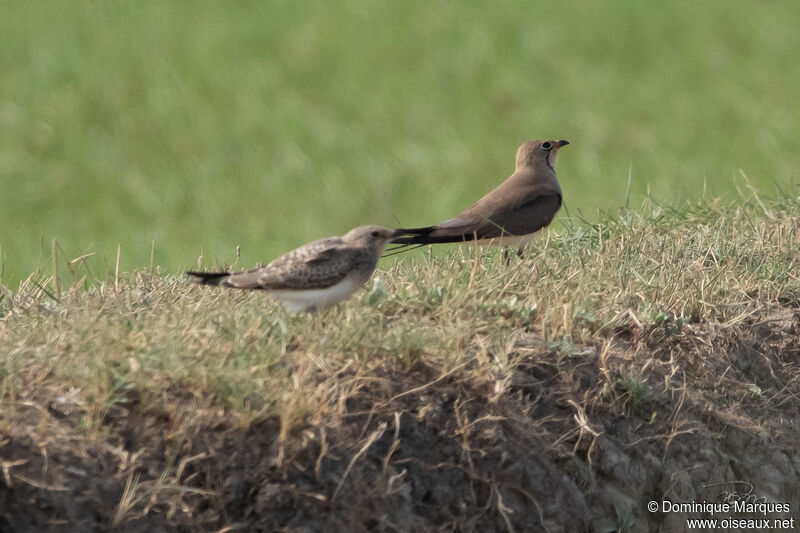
632, 296
199, 128
658, 268
633, 353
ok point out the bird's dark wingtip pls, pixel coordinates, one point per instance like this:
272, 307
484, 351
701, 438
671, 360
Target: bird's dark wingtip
208, 278
411, 235
427, 238
417, 231
404, 240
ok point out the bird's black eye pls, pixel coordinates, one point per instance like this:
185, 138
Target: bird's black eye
375, 234
546, 145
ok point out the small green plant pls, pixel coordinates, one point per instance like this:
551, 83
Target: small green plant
634, 393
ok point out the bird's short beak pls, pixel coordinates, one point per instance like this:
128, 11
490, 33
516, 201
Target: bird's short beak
562, 143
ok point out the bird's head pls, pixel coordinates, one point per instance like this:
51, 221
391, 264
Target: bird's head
374, 237
535, 153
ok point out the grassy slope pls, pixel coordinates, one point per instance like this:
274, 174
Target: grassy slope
268, 125
635, 358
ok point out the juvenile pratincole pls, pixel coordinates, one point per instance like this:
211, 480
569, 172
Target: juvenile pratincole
317, 275
510, 214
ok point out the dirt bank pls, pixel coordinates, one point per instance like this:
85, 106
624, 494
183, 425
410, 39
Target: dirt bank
569, 437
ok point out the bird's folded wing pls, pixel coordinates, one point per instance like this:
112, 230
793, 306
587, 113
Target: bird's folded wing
527, 212
323, 269
523, 219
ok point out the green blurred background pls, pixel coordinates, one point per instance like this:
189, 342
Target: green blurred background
205, 125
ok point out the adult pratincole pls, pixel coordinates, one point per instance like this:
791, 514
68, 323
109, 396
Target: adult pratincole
319, 274
510, 214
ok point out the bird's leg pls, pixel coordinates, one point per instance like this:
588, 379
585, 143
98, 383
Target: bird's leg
506, 256
519, 251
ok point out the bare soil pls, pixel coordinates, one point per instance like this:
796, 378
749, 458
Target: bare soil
565, 439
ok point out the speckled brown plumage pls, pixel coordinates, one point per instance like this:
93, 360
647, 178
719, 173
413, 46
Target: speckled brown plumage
316, 266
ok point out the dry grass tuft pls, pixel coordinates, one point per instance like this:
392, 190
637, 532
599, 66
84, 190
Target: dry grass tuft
638, 358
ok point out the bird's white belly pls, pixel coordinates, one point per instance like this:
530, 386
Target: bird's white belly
302, 300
